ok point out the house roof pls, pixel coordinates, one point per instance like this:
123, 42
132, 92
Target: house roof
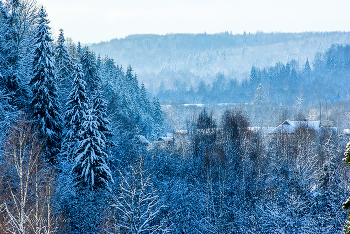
310, 124
165, 139
142, 139
289, 126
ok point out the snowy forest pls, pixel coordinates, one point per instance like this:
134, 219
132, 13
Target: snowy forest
87, 148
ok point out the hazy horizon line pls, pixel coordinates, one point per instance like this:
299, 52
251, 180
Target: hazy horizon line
205, 33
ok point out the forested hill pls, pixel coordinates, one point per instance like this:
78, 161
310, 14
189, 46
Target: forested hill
160, 57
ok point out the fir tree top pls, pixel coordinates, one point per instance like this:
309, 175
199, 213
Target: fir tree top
43, 27
77, 104
64, 64
44, 105
259, 95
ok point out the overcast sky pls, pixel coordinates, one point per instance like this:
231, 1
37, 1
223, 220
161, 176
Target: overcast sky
91, 21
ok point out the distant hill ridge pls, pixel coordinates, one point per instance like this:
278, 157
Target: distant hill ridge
211, 41
155, 58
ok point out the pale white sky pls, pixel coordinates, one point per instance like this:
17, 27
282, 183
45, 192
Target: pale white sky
91, 21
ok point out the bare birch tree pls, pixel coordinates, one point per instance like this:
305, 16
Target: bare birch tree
28, 185
137, 205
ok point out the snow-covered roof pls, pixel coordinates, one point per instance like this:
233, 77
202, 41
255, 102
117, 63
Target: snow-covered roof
289, 126
310, 124
286, 128
142, 139
165, 139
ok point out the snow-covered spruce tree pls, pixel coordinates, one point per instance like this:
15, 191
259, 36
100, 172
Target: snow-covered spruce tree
83, 206
100, 108
79, 53
11, 52
108, 72
91, 77
157, 128
45, 111
76, 108
133, 93
90, 169
307, 71
259, 98
64, 67
255, 77
146, 112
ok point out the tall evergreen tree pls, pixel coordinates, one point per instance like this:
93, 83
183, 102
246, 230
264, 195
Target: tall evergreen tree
146, 112
99, 67
157, 129
45, 109
76, 108
100, 109
10, 53
91, 168
254, 77
143, 97
259, 97
307, 70
91, 77
79, 53
64, 67
112, 74
307, 67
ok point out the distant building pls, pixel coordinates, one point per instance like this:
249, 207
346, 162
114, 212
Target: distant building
142, 139
289, 126
163, 141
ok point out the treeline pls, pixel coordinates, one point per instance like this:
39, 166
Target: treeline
203, 41
286, 84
